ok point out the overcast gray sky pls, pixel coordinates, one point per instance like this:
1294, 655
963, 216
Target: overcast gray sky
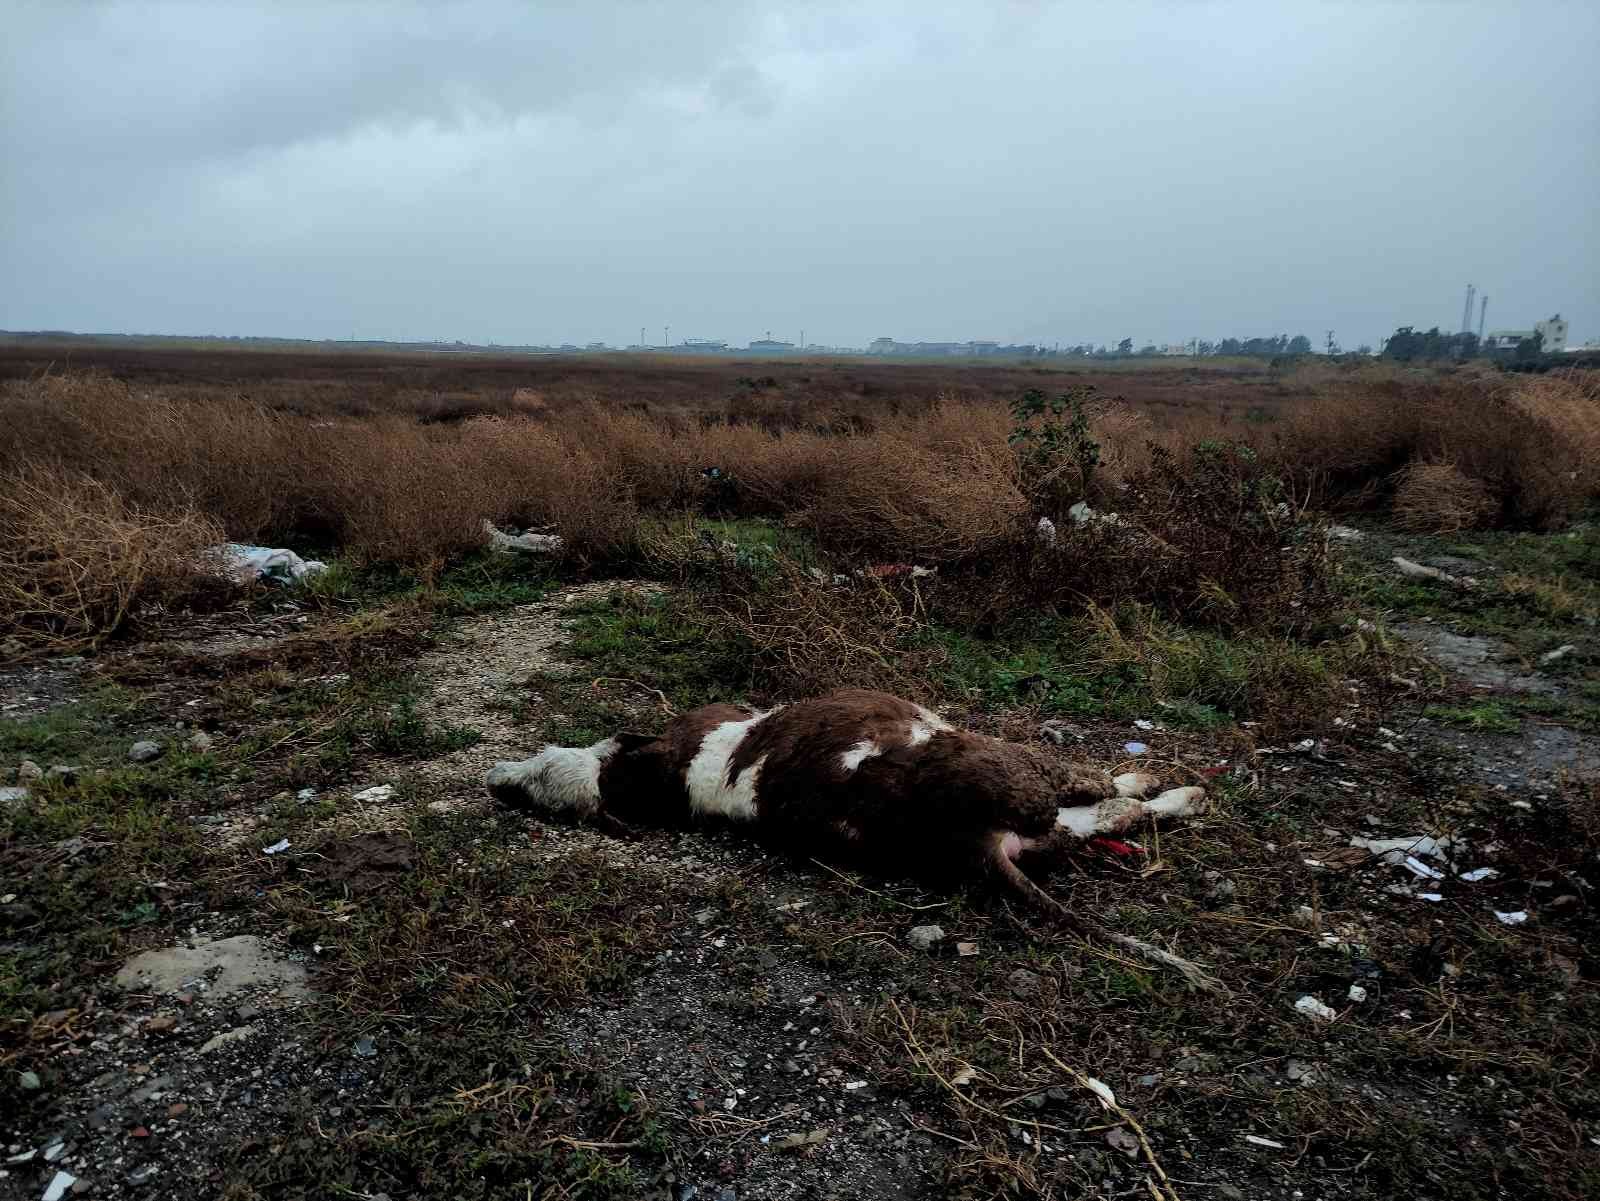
1021, 171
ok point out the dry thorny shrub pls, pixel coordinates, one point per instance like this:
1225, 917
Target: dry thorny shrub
1439, 498
933, 483
76, 557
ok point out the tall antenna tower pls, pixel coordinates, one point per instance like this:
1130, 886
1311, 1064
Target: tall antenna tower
1483, 307
1466, 311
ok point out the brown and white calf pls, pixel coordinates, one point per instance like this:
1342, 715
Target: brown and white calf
857, 776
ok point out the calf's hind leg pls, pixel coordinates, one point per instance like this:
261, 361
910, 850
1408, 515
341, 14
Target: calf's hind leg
1003, 845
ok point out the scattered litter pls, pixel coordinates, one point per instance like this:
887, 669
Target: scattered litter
1135, 748
1398, 850
365, 1048
925, 938
527, 543
281, 845
1345, 533
1357, 993
1300, 1071
1315, 1009
1479, 873
1515, 918
853, 1085
1081, 513
13, 796
247, 563
966, 949
1561, 652
730, 1103
23, 1156
791, 907
964, 1077
1142, 724
793, 1142
59, 1184
306, 794
53, 1152
29, 1082
1045, 531
1419, 868
374, 795
1257, 1140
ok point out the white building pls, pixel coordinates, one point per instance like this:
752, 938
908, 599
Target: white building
1553, 331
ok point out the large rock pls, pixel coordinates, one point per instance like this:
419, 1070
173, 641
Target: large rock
242, 962
144, 752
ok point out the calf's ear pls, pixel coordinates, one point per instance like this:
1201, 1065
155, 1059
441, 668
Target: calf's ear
627, 740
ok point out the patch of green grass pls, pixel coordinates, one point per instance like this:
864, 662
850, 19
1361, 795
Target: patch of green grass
1133, 664
85, 728
664, 641
1489, 717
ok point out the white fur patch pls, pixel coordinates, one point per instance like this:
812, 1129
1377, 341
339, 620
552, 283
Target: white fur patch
710, 790
1108, 817
859, 754
933, 721
558, 777
921, 731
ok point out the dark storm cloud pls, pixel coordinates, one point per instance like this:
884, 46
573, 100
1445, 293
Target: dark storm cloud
574, 171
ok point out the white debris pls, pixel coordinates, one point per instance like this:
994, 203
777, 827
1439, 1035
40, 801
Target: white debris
853, 1085
59, 1184
1515, 918
1135, 748
528, 544
281, 845
13, 796
1315, 1009
1142, 724
1045, 531
1398, 850
1421, 572
374, 795
1561, 652
246, 563
1081, 513
1258, 1141
925, 938
1479, 873
1345, 533
1414, 865
1102, 1090
1357, 993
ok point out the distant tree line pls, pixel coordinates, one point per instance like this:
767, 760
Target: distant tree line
1267, 348
1408, 345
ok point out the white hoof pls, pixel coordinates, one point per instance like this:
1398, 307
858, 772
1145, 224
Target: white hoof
1177, 802
1135, 784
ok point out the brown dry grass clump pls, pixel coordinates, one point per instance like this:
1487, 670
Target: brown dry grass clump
76, 558
1439, 498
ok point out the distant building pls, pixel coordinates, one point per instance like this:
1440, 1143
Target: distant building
1173, 349
768, 346
1553, 331
926, 350
700, 346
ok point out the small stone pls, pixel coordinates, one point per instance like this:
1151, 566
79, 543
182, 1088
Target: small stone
29, 772
925, 938
198, 743
377, 794
29, 1082
177, 1109
13, 796
81, 1186
1023, 982
160, 1024
1357, 993
139, 1132
144, 751
64, 774
1229, 1193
